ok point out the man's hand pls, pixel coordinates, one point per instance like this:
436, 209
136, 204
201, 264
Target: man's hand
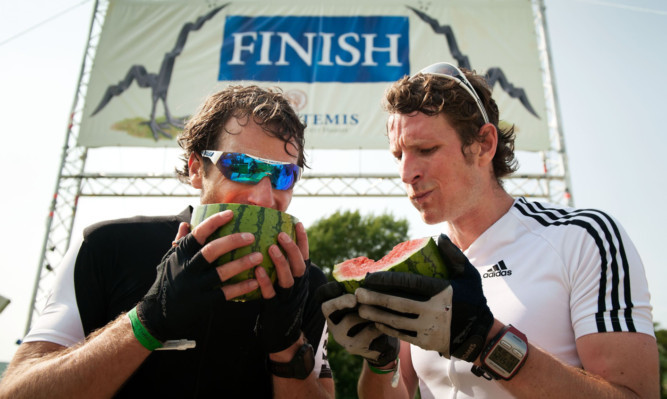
283, 303
448, 316
188, 285
358, 336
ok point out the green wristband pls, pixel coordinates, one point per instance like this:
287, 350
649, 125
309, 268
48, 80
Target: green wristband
396, 370
143, 336
380, 371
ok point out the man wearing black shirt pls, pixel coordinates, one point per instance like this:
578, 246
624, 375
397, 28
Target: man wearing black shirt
112, 307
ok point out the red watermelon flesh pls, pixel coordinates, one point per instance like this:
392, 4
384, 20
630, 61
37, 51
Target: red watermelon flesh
419, 256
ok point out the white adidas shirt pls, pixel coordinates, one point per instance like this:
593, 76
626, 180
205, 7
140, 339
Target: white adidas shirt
554, 273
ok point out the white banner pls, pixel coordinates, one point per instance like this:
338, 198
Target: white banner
156, 61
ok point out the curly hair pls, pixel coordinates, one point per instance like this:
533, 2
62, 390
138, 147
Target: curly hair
433, 95
267, 107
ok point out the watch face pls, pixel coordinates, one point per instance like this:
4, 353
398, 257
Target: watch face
505, 357
308, 361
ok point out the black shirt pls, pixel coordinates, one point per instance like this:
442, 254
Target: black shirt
114, 269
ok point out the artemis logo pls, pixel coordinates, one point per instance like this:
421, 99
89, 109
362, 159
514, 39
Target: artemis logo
331, 119
298, 99
498, 270
315, 49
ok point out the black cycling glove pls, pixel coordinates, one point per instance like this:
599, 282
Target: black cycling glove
279, 321
185, 290
449, 316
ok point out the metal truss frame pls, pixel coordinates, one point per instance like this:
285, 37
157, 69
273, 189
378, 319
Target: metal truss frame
311, 185
73, 183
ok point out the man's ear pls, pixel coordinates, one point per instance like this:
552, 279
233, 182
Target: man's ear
487, 144
196, 169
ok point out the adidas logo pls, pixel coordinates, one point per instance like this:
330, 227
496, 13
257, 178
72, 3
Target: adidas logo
498, 270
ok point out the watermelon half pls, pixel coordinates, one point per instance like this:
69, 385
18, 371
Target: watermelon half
420, 256
264, 223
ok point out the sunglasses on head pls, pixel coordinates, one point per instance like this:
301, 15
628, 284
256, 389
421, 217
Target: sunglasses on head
449, 71
244, 168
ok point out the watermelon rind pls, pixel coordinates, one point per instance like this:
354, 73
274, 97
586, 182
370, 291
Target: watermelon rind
264, 223
419, 256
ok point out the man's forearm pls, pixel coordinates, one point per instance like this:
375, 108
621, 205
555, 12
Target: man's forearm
616, 365
310, 387
95, 368
544, 376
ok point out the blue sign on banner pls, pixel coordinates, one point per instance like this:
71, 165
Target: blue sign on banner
353, 49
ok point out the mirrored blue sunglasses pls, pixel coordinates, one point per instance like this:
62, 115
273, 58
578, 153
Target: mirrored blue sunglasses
244, 168
449, 71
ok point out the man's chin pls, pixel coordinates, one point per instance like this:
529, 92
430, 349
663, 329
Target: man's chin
426, 213
430, 218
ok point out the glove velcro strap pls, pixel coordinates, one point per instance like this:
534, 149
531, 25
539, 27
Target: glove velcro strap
473, 345
470, 348
141, 334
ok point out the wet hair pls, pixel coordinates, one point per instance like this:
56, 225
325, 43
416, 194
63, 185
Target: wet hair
433, 95
266, 107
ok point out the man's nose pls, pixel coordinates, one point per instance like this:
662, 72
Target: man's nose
261, 194
409, 169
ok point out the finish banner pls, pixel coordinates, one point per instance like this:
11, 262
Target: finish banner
156, 61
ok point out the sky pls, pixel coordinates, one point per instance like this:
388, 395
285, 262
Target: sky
609, 59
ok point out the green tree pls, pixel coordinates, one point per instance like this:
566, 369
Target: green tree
346, 235
661, 336
342, 236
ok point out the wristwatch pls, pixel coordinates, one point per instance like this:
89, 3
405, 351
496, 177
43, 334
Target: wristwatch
300, 366
504, 355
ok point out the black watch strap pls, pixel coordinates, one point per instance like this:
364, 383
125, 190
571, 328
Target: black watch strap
299, 367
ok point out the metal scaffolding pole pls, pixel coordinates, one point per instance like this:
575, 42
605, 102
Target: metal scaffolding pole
63, 203
555, 160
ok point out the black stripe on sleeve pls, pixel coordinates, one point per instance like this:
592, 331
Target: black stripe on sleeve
588, 219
